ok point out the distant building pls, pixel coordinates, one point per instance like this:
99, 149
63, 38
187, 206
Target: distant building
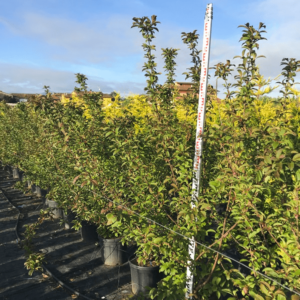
183, 88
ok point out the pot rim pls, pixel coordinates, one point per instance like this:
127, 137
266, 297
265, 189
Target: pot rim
131, 258
110, 239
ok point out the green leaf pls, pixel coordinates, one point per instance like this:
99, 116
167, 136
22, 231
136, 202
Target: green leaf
255, 232
214, 183
256, 296
264, 289
271, 272
297, 273
216, 280
111, 219
268, 160
278, 153
157, 240
298, 175
291, 166
296, 157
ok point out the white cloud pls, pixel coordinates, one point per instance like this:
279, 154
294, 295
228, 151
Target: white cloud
94, 41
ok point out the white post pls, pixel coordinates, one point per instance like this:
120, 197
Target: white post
199, 132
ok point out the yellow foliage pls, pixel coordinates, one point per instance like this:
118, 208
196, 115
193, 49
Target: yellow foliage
111, 108
185, 115
294, 91
79, 102
264, 110
140, 108
288, 248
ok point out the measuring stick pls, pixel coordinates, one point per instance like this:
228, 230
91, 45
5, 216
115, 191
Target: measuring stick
199, 132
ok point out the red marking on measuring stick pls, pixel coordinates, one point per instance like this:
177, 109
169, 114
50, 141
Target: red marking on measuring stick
199, 132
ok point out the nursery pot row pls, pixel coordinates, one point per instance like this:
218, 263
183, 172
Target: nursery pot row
114, 253
112, 250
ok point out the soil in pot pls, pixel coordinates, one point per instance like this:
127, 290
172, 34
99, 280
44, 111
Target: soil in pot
143, 276
57, 212
113, 252
89, 232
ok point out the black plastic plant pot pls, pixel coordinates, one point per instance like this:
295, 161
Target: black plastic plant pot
143, 277
69, 217
11, 168
44, 192
21, 174
89, 232
57, 212
16, 173
221, 208
113, 252
43, 195
235, 254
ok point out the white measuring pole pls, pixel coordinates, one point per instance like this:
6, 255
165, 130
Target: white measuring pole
199, 132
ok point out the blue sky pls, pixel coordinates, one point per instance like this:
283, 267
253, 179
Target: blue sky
47, 42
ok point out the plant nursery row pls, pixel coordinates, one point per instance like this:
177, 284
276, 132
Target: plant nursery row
124, 170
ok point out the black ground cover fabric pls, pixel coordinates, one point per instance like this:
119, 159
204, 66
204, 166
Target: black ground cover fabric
76, 263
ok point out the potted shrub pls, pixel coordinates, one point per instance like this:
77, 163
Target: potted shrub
144, 277
113, 251
56, 209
